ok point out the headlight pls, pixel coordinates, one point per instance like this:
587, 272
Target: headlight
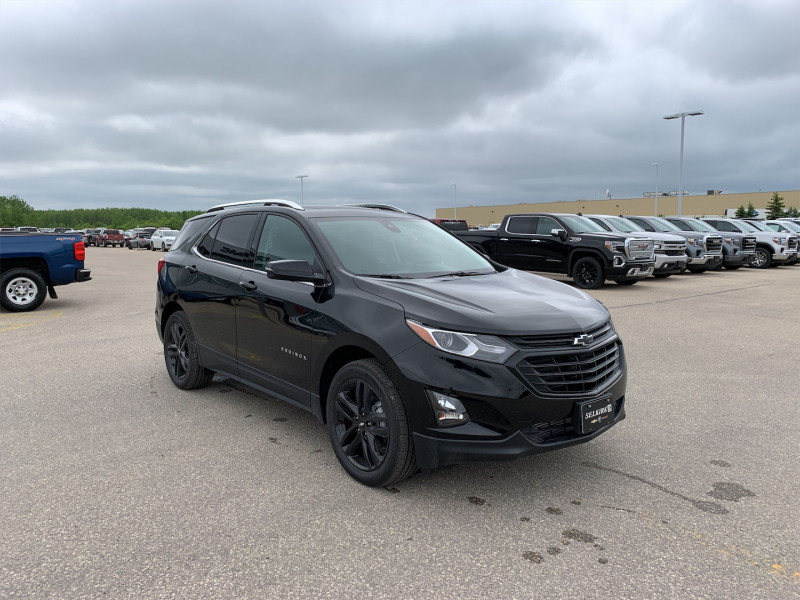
472, 345
779, 240
615, 246
693, 241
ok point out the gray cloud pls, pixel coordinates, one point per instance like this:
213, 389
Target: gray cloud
187, 103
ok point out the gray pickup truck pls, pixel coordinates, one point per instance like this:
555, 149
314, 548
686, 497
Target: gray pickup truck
703, 250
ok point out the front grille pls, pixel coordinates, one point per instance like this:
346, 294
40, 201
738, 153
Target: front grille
639, 249
792, 244
749, 243
553, 431
673, 249
559, 341
577, 372
713, 244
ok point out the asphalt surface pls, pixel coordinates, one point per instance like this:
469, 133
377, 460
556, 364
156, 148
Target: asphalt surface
115, 484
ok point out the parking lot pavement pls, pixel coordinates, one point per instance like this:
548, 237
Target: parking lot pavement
116, 484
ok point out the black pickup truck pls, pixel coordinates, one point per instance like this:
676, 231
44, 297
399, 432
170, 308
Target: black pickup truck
568, 244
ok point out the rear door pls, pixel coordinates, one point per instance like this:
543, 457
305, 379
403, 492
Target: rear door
211, 289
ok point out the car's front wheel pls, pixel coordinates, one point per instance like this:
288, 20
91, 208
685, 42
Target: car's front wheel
587, 273
182, 355
367, 425
762, 259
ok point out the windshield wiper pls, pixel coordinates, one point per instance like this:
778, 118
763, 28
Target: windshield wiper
383, 275
458, 274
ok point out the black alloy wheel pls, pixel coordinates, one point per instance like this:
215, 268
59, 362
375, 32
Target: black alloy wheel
182, 356
587, 273
367, 425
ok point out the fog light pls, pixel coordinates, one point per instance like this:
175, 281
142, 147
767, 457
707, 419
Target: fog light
448, 410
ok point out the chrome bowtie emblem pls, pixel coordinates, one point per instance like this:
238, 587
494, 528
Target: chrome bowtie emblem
583, 339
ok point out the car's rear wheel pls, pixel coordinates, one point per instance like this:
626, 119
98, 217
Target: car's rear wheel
587, 273
182, 355
22, 290
367, 425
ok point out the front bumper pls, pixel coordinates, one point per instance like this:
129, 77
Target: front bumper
669, 264
630, 270
709, 260
739, 258
509, 416
783, 256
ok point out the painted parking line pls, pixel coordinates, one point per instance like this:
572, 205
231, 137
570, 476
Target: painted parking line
14, 321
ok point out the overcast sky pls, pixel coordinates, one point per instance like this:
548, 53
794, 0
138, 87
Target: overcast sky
181, 104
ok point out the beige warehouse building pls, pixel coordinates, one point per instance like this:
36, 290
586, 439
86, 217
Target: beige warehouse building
706, 205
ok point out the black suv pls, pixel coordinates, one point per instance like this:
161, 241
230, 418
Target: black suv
414, 349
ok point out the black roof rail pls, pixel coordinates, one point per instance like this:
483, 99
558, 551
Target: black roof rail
378, 206
264, 202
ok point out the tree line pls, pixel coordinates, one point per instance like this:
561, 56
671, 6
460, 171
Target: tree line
15, 212
775, 209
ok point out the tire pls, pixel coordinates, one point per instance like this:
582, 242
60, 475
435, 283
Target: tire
588, 274
763, 258
182, 355
367, 425
662, 275
22, 290
627, 281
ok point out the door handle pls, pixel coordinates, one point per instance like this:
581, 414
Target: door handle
191, 268
247, 286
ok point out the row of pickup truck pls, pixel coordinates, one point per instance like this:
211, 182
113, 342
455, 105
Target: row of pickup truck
594, 248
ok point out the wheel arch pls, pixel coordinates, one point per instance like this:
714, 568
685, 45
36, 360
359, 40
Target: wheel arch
37, 265
583, 253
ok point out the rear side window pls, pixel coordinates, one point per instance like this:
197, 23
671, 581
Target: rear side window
190, 231
546, 225
521, 225
229, 240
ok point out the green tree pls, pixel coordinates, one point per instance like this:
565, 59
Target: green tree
741, 212
792, 212
14, 212
751, 210
775, 208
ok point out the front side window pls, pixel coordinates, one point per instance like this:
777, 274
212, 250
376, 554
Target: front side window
546, 225
282, 239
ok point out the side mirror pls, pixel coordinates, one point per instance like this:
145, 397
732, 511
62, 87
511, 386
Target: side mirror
295, 270
561, 233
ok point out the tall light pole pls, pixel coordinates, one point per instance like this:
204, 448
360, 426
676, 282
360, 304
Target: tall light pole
455, 205
655, 212
301, 177
682, 116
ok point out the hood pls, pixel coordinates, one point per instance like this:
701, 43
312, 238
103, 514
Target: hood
507, 303
657, 236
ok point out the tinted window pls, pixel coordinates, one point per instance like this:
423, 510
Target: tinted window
231, 243
681, 225
546, 225
601, 223
207, 243
641, 223
282, 239
190, 230
521, 225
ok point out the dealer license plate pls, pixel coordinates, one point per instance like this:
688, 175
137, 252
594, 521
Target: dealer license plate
595, 414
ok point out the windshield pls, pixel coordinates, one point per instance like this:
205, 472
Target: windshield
791, 226
701, 225
663, 225
755, 226
387, 246
749, 226
623, 224
580, 224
